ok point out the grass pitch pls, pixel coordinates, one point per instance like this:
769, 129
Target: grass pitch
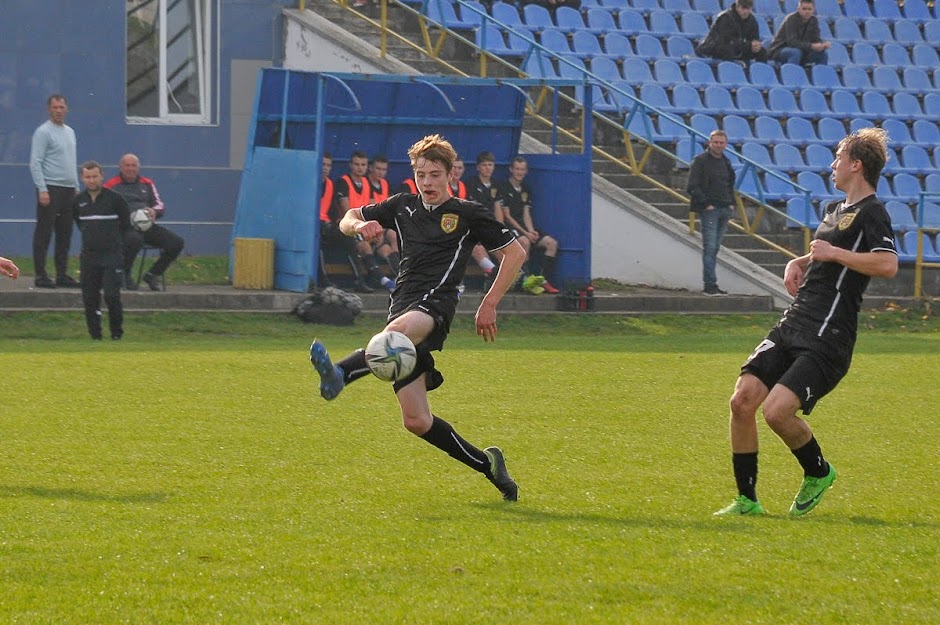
191, 474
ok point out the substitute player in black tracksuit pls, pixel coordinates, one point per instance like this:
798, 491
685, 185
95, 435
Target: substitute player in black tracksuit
437, 233
809, 350
103, 218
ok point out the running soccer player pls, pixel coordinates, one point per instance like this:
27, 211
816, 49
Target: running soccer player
809, 350
437, 233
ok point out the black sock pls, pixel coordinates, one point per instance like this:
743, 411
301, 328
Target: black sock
354, 366
811, 459
548, 268
745, 474
443, 436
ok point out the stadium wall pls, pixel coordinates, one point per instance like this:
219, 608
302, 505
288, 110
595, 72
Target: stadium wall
78, 49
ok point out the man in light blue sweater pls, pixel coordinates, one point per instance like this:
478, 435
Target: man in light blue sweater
54, 168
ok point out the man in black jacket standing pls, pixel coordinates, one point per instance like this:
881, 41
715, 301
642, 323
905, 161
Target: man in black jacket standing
734, 35
711, 188
103, 217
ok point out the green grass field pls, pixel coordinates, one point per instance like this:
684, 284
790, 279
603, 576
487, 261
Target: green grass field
191, 474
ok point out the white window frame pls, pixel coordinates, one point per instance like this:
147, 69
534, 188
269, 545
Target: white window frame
207, 33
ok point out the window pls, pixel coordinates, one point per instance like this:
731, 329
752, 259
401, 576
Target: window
171, 54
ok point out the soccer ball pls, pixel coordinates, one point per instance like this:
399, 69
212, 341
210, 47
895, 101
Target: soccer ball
141, 220
391, 356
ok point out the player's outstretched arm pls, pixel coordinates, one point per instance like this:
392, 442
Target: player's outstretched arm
513, 257
8, 268
352, 224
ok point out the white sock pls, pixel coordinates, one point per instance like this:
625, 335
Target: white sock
486, 265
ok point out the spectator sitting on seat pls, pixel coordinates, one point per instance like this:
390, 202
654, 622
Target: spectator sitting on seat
387, 246
798, 40
482, 190
330, 236
141, 193
734, 35
515, 204
352, 191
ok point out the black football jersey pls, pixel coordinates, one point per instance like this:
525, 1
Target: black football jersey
482, 194
831, 294
515, 200
435, 244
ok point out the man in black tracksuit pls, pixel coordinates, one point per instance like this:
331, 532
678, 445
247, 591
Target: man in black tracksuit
103, 218
734, 35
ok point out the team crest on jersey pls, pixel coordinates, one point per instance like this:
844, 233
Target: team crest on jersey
525, 197
449, 222
493, 192
846, 221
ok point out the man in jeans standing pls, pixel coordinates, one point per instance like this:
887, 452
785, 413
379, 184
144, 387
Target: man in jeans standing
711, 188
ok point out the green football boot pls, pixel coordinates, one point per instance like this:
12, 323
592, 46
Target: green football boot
741, 506
811, 492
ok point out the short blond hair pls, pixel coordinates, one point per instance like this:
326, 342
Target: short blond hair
433, 148
870, 146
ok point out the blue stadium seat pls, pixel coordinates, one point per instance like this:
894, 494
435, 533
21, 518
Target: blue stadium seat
738, 130
676, 7
907, 106
718, 101
573, 67
865, 55
631, 23
925, 56
521, 45
794, 76
586, 44
875, 106
470, 16
828, 9
611, 5
906, 187
847, 31
649, 48
763, 76
916, 81
788, 158
693, 25
699, 74
898, 132
830, 130
858, 123
845, 104
731, 75
751, 100
931, 215
929, 250
687, 149
490, 38
825, 78
932, 183
507, 14
645, 6
932, 32
926, 133
569, 20
587, 5
539, 66
636, 71
887, 11
819, 158
877, 32
686, 100
916, 160
917, 11
705, 124
768, 130
536, 18
932, 105
656, 97
816, 185
800, 212
555, 41
601, 21
895, 55
884, 190
838, 55
667, 73
902, 219
856, 78
443, 12
905, 256
622, 103
813, 103
908, 33
606, 69
767, 8
619, 47
680, 48
783, 102
763, 31
886, 80
670, 129
708, 8
663, 24
778, 188
800, 132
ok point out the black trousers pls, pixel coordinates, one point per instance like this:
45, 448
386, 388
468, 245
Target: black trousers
170, 244
102, 271
55, 217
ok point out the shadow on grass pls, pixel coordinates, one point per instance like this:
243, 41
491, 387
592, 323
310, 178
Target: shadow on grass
79, 495
698, 522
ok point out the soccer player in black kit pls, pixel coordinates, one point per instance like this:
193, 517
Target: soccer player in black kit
809, 350
436, 233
